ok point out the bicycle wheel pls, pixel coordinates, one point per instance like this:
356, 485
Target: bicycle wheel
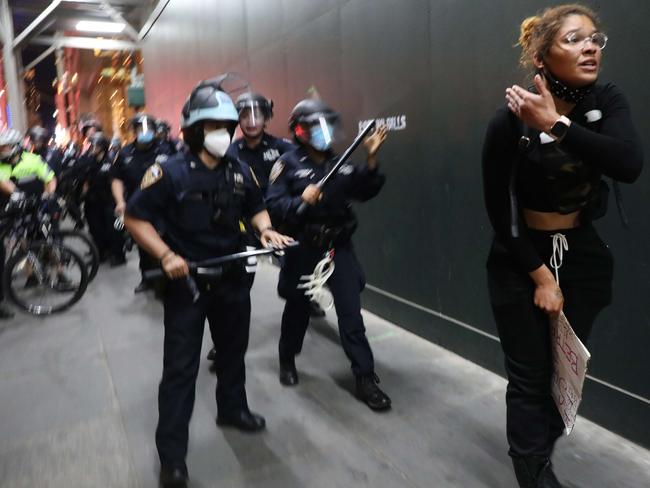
82, 244
45, 278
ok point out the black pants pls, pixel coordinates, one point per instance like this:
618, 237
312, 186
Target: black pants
533, 422
346, 284
227, 308
101, 218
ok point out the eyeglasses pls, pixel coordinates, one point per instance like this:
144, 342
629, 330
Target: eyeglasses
576, 40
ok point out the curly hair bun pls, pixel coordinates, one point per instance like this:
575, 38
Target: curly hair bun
527, 30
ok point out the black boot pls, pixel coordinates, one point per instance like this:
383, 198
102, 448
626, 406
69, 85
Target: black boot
370, 393
5, 313
173, 477
535, 472
288, 372
243, 419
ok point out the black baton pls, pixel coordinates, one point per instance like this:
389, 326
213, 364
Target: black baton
153, 274
344, 157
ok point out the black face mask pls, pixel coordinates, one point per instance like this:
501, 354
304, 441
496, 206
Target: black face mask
563, 92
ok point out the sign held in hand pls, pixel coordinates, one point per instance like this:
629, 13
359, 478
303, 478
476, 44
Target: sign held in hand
570, 360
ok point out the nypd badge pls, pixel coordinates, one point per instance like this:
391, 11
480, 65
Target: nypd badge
153, 174
276, 171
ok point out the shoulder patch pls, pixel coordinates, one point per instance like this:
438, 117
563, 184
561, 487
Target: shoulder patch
153, 174
276, 170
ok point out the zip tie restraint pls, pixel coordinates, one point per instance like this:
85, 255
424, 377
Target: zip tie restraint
314, 285
560, 245
119, 223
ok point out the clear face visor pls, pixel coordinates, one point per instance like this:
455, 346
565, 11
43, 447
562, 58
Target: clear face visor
144, 131
251, 115
324, 130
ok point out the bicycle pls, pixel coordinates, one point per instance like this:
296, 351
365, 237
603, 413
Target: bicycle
41, 276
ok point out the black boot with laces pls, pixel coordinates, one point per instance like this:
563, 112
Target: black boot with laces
535, 472
370, 393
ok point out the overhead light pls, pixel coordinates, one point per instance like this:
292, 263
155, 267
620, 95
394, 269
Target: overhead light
95, 26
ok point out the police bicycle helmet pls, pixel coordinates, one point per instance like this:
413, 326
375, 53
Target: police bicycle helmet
11, 138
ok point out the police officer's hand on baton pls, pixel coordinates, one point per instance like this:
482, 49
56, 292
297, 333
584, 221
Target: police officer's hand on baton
372, 143
312, 195
270, 238
174, 265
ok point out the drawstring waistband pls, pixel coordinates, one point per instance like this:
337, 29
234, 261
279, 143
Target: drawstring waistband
560, 245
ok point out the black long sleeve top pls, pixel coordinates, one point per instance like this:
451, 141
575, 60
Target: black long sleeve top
608, 144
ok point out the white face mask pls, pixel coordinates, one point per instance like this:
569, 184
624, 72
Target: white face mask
216, 142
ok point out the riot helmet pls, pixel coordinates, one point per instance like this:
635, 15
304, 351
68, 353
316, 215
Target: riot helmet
89, 125
162, 129
254, 111
144, 128
99, 144
313, 122
208, 119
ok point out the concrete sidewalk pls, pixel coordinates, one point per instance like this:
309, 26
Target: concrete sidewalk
78, 408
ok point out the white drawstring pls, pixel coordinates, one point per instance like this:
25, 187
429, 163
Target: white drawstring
560, 245
315, 282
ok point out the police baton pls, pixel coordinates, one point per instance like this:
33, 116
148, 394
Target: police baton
344, 157
203, 267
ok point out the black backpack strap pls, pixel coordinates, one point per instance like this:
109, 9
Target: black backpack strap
522, 148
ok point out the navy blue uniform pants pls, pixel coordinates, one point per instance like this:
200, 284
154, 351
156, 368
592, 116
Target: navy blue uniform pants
346, 284
227, 309
101, 219
533, 421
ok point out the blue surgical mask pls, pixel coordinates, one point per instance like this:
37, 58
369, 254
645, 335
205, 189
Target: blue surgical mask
145, 137
319, 140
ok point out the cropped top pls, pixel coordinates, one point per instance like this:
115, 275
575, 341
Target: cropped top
560, 176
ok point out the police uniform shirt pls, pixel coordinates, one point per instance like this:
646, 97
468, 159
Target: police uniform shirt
262, 157
30, 175
169, 146
99, 181
132, 163
294, 171
54, 159
200, 208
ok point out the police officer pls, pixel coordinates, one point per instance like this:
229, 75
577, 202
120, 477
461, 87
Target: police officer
21, 173
256, 147
114, 148
38, 144
127, 171
88, 125
168, 144
259, 149
201, 196
99, 203
326, 225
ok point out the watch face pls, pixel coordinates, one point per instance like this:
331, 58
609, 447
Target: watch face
559, 129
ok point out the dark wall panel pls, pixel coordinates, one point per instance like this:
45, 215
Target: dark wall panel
444, 66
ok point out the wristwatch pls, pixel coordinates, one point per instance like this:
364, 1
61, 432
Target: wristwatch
560, 128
